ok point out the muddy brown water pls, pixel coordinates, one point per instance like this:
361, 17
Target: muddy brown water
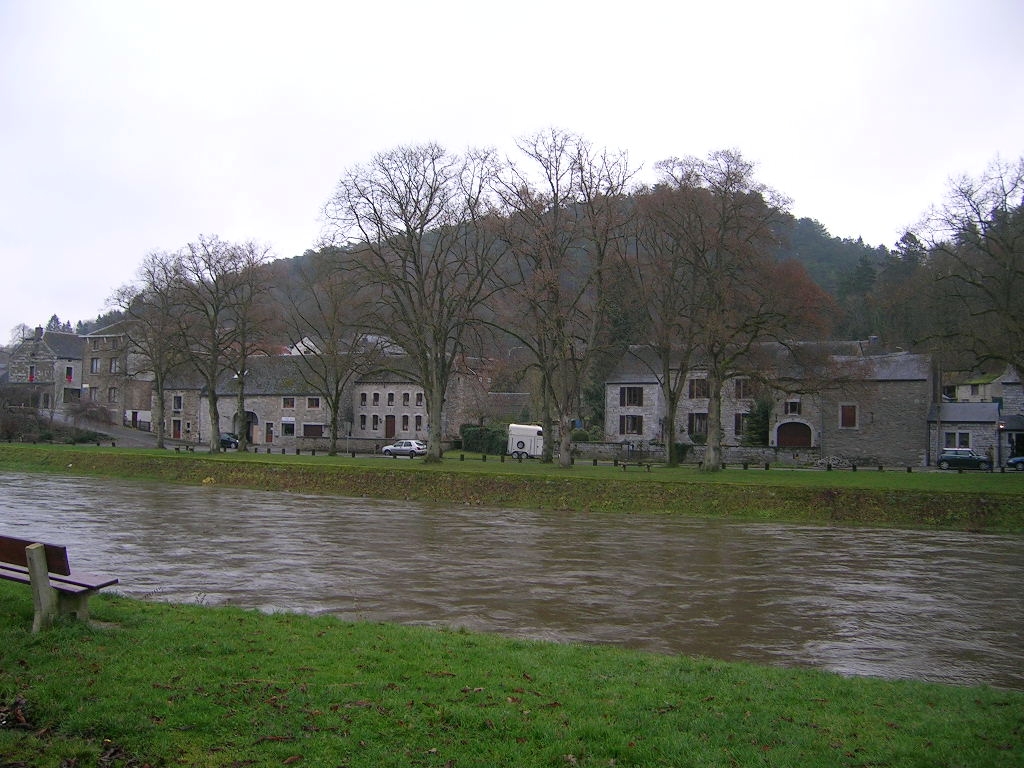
939, 606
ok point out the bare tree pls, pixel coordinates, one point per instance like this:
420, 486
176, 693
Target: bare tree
745, 297
662, 268
564, 219
214, 285
324, 311
253, 316
151, 307
977, 255
419, 214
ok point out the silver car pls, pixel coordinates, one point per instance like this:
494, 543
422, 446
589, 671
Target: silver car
408, 448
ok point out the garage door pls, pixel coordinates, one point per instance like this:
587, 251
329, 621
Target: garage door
794, 435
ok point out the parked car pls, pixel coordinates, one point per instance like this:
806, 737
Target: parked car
1017, 463
229, 440
963, 458
408, 448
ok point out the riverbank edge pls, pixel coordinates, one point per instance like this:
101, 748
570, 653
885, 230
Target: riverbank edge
981, 512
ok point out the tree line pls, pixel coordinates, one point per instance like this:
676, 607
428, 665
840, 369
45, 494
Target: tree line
561, 255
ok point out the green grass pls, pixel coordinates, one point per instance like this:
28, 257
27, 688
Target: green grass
978, 501
162, 685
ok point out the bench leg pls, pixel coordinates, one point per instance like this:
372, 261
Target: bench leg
76, 606
44, 597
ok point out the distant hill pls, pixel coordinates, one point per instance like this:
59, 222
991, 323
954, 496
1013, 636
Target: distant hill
830, 261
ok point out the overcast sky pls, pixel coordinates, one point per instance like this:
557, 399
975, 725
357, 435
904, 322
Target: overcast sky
132, 126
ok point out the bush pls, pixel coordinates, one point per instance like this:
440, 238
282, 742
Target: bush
484, 439
580, 436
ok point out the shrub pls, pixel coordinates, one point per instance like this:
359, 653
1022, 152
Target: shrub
485, 439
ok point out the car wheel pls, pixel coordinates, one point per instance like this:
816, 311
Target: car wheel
1019, 466
984, 466
943, 465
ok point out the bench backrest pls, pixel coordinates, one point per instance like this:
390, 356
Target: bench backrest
12, 551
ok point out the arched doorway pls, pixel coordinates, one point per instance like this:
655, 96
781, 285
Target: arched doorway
793, 434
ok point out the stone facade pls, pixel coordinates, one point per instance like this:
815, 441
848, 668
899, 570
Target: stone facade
113, 377
50, 363
879, 416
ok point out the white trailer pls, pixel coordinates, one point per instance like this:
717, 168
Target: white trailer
525, 440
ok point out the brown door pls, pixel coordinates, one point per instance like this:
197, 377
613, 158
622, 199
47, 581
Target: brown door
269, 436
389, 427
176, 429
793, 434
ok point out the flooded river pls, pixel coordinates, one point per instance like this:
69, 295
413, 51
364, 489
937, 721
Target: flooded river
946, 607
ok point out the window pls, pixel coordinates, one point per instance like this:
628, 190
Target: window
287, 402
744, 389
312, 402
115, 342
376, 422
362, 421
312, 430
419, 398
631, 396
697, 423
847, 416
419, 423
95, 345
631, 425
94, 394
792, 408
405, 398
739, 423
69, 373
362, 398
376, 398
975, 389
31, 373
698, 388
957, 439
94, 365
114, 365
176, 403
405, 422
288, 429
391, 398
112, 395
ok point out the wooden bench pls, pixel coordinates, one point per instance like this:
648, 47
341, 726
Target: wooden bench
56, 589
638, 464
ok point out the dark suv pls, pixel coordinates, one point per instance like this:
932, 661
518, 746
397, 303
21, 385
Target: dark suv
963, 458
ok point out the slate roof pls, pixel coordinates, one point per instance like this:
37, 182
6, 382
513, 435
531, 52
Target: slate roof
961, 413
66, 345
640, 362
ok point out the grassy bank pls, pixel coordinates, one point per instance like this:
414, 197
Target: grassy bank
987, 502
162, 685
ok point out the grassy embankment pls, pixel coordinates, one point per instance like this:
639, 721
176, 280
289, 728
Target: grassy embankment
163, 685
989, 502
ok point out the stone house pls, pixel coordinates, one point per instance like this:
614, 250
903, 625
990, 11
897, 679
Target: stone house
982, 410
114, 376
283, 411
873, 410
50, 363
281, 408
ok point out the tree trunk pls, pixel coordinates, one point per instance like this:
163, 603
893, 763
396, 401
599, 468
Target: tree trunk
713, 450
241, 423
564, 440
214, 423
158, 412
435, 403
